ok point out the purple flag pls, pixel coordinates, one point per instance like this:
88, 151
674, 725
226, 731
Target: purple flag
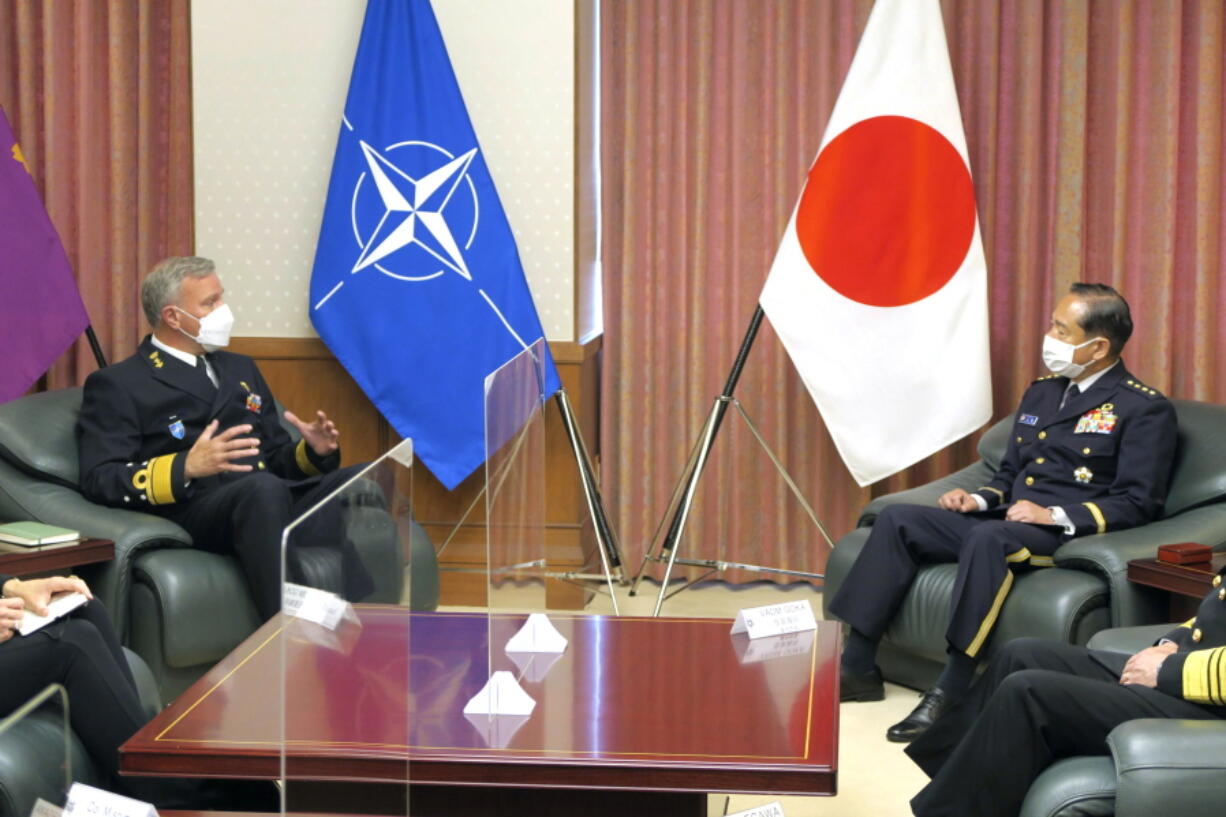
41, 312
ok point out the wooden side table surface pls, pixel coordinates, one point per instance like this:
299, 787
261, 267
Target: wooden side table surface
1187, 584
42, 560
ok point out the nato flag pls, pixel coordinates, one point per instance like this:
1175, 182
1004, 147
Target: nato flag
417, 286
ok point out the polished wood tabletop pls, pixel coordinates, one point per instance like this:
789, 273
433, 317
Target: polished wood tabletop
649, 704
56, 557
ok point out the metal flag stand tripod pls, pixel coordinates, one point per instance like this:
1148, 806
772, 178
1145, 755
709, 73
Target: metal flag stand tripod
683, 495
606, 541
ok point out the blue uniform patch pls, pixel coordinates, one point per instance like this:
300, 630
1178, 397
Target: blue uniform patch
177, 430
1028, 420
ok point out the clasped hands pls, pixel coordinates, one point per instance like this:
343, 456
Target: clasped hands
1021, 511
33, 594
215, 452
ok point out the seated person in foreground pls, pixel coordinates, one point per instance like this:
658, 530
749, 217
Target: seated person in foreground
1090, 451
81, 652
1041, 701
189, 432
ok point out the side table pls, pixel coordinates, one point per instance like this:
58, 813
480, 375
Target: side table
1187, 584
43, 560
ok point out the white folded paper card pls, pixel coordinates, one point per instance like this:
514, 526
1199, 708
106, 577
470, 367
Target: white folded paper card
44, 809
319, 606
496, 730
59, 606
534, 666
755, 650
501, 695
775, 619
537, 635
86, 801
774, 809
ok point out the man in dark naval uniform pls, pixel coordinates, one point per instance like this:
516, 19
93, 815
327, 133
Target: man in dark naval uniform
191, 433
1041, 701
1090, 451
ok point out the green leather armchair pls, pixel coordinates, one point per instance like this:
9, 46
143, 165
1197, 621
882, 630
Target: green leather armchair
1088, 589
180, 609
32, 751
1155, 766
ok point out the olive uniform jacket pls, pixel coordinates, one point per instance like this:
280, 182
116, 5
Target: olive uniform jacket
140, 417
1105, 457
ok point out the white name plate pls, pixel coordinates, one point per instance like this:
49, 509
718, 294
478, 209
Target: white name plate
774, 809
314, 605
86, 801
775, 619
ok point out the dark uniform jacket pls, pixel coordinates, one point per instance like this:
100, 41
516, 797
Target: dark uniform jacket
1105, 458
140, 417
1197, 671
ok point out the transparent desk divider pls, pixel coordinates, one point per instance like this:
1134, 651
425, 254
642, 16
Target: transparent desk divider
44, 715
343, 635
515, 544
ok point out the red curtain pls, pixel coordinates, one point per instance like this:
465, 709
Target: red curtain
1096, 140
99, 95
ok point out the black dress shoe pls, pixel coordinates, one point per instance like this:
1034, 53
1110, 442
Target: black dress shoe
861, 686
931, 706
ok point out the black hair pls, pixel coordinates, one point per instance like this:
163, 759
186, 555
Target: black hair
1107, 314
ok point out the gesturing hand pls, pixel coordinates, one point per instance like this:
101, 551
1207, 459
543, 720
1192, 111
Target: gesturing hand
1026, 511
958, 500
1143, 667
213, 453
321, 435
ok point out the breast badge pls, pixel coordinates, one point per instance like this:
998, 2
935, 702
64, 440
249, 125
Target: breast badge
177, 430
1083, 474
1101, 420
254, 402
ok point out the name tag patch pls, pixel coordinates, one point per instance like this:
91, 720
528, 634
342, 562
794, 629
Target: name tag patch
1028, 420
1101, 420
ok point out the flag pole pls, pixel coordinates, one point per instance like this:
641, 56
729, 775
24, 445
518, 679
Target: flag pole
95, 346
683, 495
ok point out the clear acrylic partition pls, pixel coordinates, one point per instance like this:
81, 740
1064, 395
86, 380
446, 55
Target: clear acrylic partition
45, 713
345, 652
515, 525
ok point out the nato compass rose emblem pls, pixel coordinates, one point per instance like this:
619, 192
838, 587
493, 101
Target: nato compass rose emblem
413, 212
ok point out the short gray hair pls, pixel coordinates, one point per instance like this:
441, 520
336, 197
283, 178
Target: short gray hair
164, 282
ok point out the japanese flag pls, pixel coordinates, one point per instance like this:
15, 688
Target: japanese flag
879, 288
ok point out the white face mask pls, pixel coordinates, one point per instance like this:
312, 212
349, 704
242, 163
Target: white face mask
1058, 357
214, 328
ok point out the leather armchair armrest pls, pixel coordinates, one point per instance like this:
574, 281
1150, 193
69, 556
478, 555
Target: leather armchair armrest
1108, 554
22, 497
969, 478
1169, 767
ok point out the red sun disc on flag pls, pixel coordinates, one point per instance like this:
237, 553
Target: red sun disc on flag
888, 213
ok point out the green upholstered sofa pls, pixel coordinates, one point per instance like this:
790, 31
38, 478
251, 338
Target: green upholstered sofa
1087, 590
180, 609
1154, 767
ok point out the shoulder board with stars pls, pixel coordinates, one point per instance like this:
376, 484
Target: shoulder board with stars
1138, 386
1045, 377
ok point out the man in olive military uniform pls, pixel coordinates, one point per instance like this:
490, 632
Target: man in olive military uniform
1040, 701
1090, 451
191, 433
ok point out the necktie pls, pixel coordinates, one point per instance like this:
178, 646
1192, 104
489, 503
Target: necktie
1071, 394
203, 373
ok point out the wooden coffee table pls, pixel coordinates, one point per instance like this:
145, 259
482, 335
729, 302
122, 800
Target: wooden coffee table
656, 712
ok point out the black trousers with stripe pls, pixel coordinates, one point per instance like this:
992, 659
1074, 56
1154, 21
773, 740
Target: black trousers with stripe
1037, 702
906, 537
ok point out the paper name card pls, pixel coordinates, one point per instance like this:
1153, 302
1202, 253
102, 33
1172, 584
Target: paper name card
537, 635
59, 606
775, 619
86, 801
774, 809
44, 809
314, 605
501, 695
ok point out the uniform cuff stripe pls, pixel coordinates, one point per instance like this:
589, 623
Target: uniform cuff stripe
161, 485
1099, 519
303, 461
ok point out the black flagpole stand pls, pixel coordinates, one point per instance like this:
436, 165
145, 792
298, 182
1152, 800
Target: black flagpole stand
683, 495
95, 346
